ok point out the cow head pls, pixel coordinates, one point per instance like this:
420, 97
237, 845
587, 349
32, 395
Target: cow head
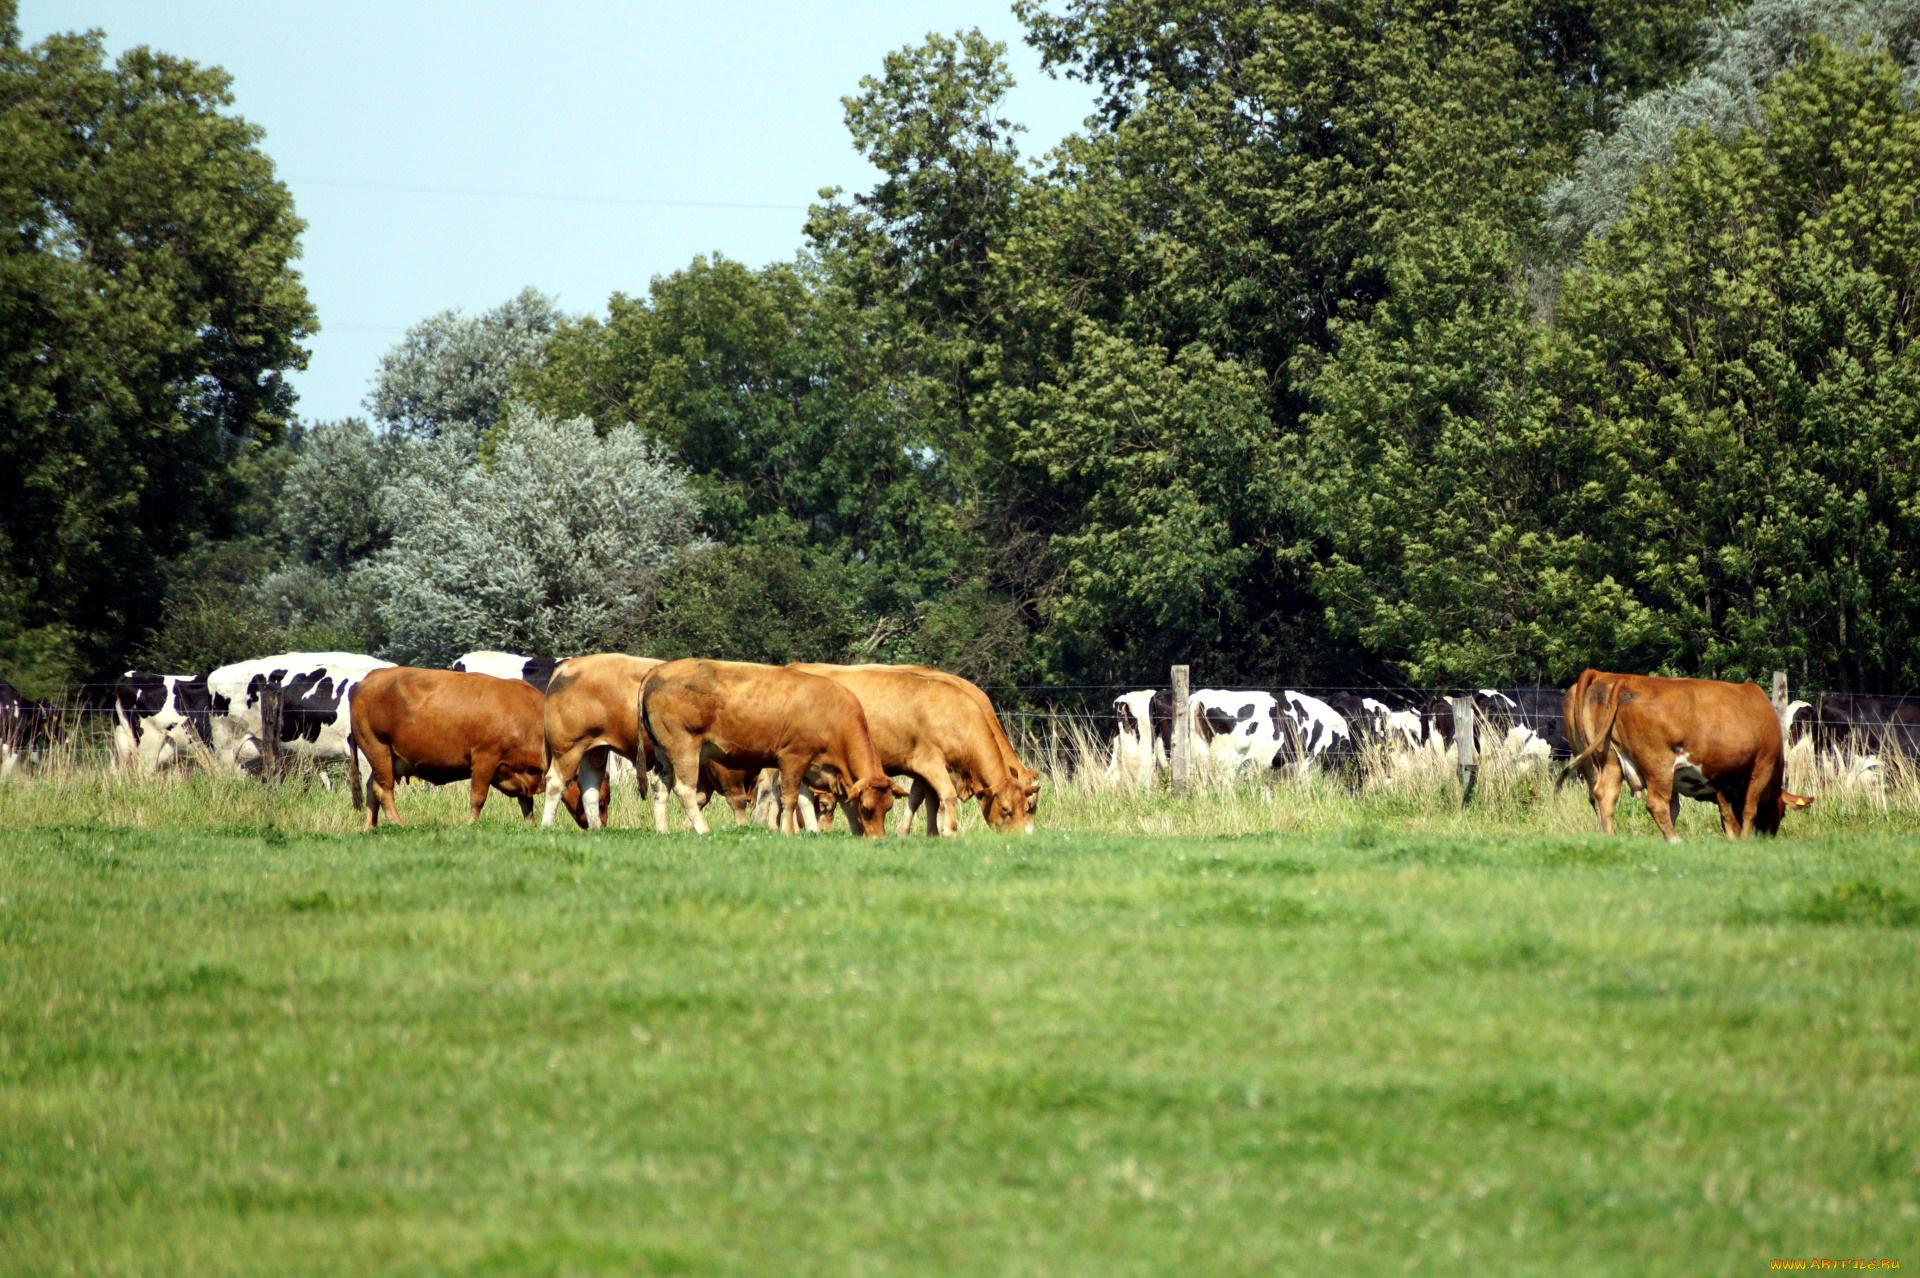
868, 803
1767, 819
1009, 805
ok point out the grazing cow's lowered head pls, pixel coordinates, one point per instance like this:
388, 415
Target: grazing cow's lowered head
1010, 805
868, 802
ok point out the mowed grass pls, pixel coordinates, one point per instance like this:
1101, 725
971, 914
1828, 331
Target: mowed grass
1373, 1038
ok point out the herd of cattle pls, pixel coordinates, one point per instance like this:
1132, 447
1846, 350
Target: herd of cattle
791, 744
801, 739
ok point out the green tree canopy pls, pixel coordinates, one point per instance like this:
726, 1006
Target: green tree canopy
148, 315
1704, 464
787, 406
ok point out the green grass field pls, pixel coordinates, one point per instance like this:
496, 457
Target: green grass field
1374, 1039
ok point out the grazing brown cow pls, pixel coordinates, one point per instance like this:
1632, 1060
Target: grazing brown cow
940, 730
1701, 738
592, 712
746, 717
448, 725
1025, 804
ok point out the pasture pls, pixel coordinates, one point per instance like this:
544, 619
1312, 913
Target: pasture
1260, 1031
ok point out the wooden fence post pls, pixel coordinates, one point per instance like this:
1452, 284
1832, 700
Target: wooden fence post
1780, 700
1465, 752
1181, 756
272, 707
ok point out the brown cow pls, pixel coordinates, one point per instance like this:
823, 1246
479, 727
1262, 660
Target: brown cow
940, 730
1701, 738
1026, 801
448, 725
592, 712
745, 716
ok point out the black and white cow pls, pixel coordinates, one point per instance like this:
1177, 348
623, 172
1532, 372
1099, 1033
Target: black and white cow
1234, 732
1863, 725
1311, 732
1142, 736
537, 671
26, 728
1855, 733
160, 719
314, 722
1526, 724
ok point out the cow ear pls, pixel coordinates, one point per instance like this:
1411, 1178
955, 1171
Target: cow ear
899, 791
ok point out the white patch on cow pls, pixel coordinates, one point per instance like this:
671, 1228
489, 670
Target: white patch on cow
150, 742
1396, 726
1316, 728
1136, 752
501, 665
1689, 780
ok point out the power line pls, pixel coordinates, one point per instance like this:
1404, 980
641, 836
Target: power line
417, 189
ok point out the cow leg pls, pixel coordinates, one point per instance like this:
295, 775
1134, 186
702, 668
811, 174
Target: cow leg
657, 783
685, 790
1662, 803
526, 805
1758, 782
792, 789
481, 781
380, 786
593, 766
353, 773
917, 794
739, 797
1729, 819
561, 771
1603, 791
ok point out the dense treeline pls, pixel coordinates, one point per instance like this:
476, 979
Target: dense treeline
1358, 341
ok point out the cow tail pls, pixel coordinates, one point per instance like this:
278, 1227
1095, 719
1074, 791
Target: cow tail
1598, 746
643, 747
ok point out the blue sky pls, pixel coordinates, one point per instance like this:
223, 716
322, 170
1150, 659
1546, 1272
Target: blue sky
721, 103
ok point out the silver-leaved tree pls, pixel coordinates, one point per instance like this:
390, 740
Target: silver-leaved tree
557, 540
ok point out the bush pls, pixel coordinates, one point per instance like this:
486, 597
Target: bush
772, 601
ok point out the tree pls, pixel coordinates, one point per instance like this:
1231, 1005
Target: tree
1740, 355
1171, 487
547, 549
773, 599
148, 314
771, 388
1744, 51
456, 370
1705, 463
326, 511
